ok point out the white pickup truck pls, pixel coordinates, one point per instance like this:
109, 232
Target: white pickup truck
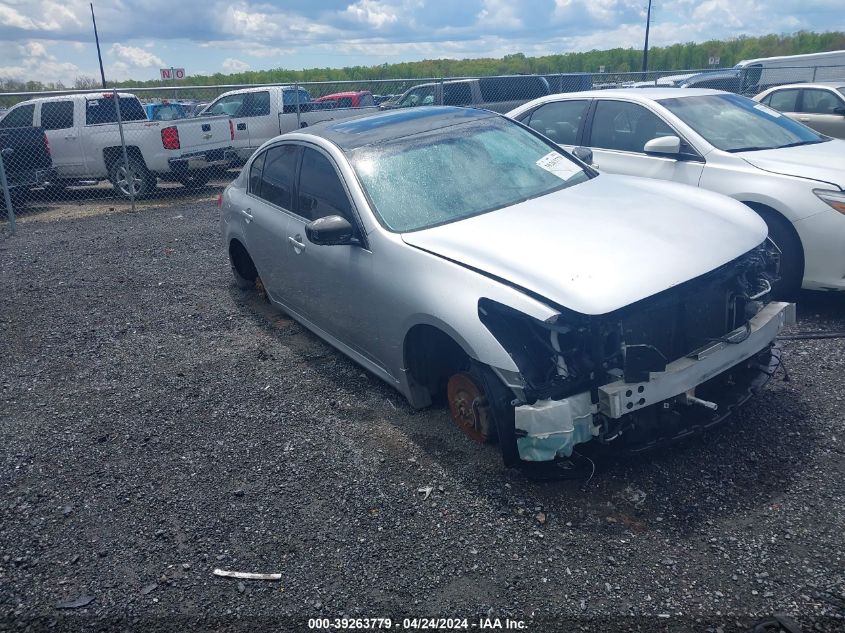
85, 142
259, 114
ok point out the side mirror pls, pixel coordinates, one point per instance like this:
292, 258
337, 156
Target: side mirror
331, 230
584, 154
663, 145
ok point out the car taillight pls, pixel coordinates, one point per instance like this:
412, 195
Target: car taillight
219, 200
231, 130
170, 137
47, 145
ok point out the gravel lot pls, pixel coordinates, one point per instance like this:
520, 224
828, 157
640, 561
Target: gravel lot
157, 424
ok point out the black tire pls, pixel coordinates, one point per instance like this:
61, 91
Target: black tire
196, 179
791, 258
243, 269
143, 181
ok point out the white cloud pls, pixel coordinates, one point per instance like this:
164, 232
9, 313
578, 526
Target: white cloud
12, 17
34, 62
244, 21
499, 13
373, 13
137, 57
233, 65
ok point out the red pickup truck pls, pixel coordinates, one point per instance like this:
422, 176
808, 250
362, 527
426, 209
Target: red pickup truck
359, 99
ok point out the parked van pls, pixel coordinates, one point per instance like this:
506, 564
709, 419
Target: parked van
759, 74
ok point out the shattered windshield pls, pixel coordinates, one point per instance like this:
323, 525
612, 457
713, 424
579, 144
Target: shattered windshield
441, 176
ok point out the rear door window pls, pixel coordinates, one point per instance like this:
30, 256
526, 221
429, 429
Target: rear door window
57, 115
279, 175
19, 117
559, 120
255, 173
784, 100
815, 101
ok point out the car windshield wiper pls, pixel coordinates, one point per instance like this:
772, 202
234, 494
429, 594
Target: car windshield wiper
751, 148
797, 143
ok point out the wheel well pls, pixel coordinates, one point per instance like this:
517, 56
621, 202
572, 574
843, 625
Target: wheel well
431, 358
113, 154
241, 260
768, 213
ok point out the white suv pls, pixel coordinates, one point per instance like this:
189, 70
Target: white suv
789, 174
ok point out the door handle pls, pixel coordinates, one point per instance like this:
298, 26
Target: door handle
71, 137
803, 118
247, 215
296, 243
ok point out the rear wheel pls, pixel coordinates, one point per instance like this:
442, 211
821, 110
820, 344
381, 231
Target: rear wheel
243, 268
133, 180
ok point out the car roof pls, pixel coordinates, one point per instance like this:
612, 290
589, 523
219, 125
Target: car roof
102, 94
812, 84
337, 95
636, 94
384, 126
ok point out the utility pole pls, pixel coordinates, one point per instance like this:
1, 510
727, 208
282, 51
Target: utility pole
645, 47
97, 39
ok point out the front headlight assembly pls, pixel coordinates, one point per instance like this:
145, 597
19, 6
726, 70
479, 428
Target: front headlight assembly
835, 199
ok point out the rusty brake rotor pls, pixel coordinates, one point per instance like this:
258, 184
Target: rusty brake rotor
469, 407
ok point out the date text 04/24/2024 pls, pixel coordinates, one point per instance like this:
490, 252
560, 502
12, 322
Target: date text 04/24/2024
430, 624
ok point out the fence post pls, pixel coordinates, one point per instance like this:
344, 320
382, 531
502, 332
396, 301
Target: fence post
815, 68
130, 179
441, 91
7, 196
296, 96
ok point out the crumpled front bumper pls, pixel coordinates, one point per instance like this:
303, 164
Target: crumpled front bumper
620, 397
550, 428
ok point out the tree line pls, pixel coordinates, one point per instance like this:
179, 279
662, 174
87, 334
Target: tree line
615, 60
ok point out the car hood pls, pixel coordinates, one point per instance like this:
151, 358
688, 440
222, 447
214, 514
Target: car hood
603, 244
824, 162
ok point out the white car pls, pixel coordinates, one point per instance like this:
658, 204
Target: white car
85, 141
789, 174
820, 106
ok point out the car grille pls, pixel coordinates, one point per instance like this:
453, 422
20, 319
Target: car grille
680, 322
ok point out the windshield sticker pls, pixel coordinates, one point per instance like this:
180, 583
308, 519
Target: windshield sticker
556, 164
764, 108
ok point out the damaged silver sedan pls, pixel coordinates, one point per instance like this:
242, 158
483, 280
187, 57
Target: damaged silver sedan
468, 261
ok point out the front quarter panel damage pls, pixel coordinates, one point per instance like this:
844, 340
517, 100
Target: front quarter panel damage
585, 377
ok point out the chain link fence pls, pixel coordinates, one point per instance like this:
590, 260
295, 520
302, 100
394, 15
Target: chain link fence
95, 151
